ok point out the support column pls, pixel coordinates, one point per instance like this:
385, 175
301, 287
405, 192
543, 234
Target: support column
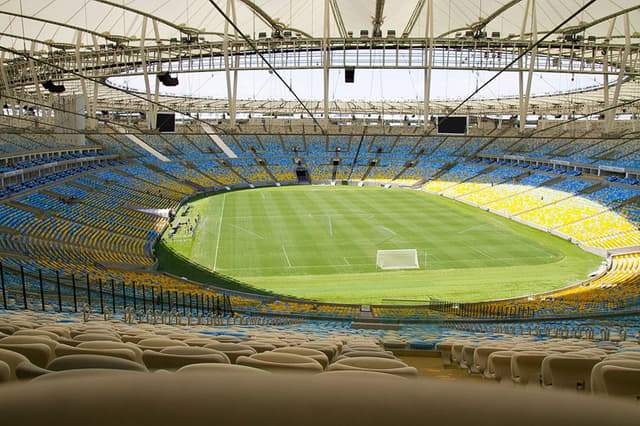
156, 98
623, 64
325, 62
5, 84
428, 61
605, 69
232, 83
145, 74
92, 120
83, 83
524, 104
234, 98
521, 89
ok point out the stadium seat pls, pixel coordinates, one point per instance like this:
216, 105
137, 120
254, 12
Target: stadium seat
616, 377
78, 362
499, 367
570, 371
102, 345
259, 346
278, 361
124, 353
12, 359
232, 350
526, 367
311, 353
5, 372
297, 397
361, 353
173, 358
92, 373
481, 357
380, 365
445, 349
159, 343
96, 337
38, 353
217, 369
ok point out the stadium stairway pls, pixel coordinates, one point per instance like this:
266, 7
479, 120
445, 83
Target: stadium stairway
195, 186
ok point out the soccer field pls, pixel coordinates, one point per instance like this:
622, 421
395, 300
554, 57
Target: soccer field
320, 242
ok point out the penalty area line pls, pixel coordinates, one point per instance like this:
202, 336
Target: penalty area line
246, 230
286, 256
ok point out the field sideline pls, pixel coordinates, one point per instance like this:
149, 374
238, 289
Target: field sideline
320, 243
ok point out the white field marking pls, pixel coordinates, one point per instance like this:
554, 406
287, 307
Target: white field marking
330, 226
262, 193
286, 256
215, 259
246, 230
482, 252
343, 265
471, 228
282, 216
337, 265
346, 261
391, 231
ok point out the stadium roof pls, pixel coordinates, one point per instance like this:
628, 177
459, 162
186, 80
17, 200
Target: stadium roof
59, 20
35, 31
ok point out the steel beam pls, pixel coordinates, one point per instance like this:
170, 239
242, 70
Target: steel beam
616, 93
428, 64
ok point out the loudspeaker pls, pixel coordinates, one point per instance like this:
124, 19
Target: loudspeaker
166, 122
166, 79
53, 88
349, 75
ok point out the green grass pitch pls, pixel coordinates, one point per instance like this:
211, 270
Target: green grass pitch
320, 243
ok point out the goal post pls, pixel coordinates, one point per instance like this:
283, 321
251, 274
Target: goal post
397, 259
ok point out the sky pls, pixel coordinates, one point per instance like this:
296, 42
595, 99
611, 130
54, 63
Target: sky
369, 85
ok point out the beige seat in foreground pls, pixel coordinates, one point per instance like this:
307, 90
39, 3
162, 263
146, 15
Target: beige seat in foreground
446, 353
173, 358
159, 343
499, 367
113, 345
278, 361
213, 369
235, 399
232, 350
62, 350
380, 365
77, 362
12, 359
82, 373
259, 346
97, 337
619, 377
568, 371
5, 372
481, 357
526, 367
38, 353
311, 353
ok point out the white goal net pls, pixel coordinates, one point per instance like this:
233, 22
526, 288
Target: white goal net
397, 259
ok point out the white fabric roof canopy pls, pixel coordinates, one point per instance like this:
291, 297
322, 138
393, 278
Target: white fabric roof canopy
58, 20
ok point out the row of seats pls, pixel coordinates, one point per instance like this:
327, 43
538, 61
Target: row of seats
29, 184
569, 365
35, 347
